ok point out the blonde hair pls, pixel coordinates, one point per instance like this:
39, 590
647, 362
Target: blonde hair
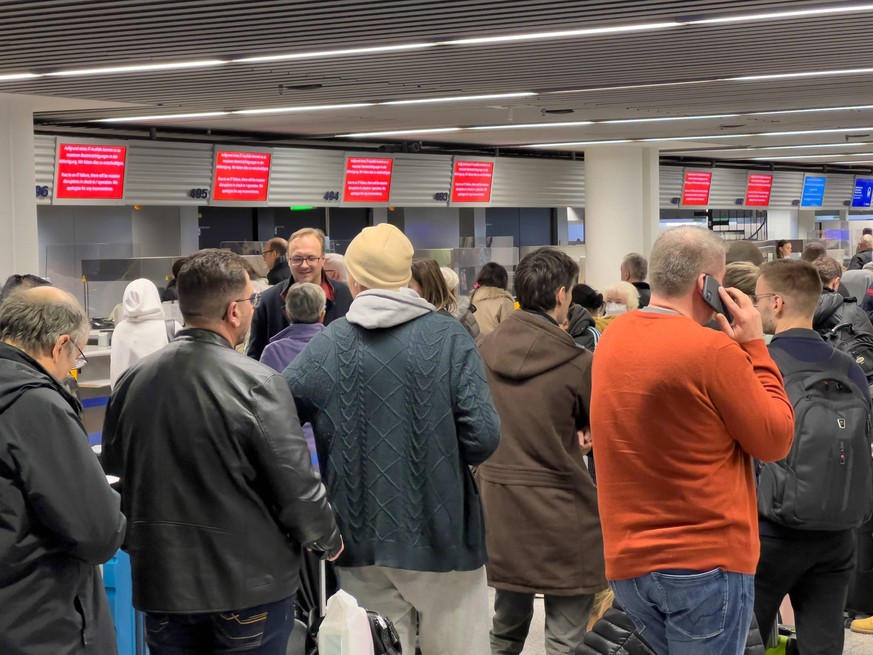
742, 275
627, 291
308, 232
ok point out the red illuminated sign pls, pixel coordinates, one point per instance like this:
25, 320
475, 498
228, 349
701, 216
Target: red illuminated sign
695, 190
368, 179
471, 181
90, 171
241, 176
758, 190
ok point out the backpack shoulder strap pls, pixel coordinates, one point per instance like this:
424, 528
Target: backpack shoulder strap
170, 327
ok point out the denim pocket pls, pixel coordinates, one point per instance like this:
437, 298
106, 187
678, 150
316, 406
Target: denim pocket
696, 604
241, 629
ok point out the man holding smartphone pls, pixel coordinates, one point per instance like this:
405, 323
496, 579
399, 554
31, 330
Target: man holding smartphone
673, 429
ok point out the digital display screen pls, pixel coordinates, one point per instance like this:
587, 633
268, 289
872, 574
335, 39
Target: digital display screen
90, 171
695, 188
862, 196
813, 191
758, 187
471, 181
241, 176
368, 179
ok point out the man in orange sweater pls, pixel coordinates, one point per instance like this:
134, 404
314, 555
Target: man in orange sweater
678, 410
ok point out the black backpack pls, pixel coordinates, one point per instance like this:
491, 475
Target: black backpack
826, 482
858, 345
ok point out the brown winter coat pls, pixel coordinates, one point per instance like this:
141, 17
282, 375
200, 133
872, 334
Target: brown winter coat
542, 526
493, 305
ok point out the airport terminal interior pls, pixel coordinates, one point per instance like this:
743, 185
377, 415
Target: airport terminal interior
134, 133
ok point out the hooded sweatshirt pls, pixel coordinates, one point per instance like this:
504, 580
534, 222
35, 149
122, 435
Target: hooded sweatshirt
142, 331
540, 502
60, 519
400, 407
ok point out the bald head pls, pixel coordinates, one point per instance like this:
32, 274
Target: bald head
277, 245
35, 320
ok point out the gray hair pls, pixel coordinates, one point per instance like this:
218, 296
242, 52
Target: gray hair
867, 240
339, 262
636, 266
680, 255
35, 322
305, 302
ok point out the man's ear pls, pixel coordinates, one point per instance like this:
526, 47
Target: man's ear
232, 315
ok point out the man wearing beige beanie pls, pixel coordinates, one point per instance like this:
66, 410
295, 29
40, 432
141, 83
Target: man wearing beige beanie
398, 400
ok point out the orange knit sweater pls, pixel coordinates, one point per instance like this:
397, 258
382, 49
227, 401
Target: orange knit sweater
677, 412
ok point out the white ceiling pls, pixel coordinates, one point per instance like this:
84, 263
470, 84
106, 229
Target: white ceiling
675, 71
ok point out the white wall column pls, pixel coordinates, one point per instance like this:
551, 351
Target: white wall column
189, 230
621, 208
19, 246
562, 232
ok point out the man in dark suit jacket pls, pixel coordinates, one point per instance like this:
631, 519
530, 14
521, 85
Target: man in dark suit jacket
306, 258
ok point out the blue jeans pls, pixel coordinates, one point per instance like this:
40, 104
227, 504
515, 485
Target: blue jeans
690, 613
260, 630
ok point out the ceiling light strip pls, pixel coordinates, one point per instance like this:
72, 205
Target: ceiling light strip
436, 130
324, 54
563, 34
140, 68
776, 15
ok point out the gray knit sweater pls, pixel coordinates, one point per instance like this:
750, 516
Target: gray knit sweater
400, 410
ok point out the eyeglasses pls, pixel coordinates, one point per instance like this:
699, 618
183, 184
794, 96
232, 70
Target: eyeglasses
255, 299
312, 260
81, 360
756, 298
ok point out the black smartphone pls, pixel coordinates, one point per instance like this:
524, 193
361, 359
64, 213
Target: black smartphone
711, 297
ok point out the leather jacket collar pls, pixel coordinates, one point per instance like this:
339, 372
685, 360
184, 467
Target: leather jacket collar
203, 335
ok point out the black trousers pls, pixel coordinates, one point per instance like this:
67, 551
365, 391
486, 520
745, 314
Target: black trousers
814, 569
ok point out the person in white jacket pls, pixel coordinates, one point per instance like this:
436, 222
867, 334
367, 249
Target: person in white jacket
142, 331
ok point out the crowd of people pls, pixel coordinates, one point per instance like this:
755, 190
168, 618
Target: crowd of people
643, 446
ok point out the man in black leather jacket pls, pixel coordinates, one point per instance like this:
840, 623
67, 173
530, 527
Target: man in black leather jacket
216, 478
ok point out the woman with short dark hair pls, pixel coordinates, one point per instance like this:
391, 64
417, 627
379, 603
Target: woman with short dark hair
492, 301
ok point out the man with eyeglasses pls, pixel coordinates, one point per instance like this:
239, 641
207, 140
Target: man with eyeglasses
810, 507
216, 478
60, 519
275, 254
306, 257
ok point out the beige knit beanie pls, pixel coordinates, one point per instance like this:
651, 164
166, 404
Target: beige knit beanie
380, 257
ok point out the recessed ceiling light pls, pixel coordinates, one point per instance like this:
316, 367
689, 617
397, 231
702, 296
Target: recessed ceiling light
809, 111
291, 110
528, 126
831, 130
563, 34
139, 68
492, 96
576, 143
370, 50
131, 119
775, 15
694, 137
14, 77
789, 76
436, 130
842, 154
659, 119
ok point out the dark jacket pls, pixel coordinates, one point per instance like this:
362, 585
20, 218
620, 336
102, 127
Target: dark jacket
616, 634
269, 319
219, 488
645, 293
280, 271
58, 519
859, 259
171, 293
397, 397
581, 327
834, 310
536, 490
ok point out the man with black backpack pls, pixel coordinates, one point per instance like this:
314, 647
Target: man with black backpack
810, 502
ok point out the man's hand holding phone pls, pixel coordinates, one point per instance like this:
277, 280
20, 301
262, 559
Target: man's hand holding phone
747, 324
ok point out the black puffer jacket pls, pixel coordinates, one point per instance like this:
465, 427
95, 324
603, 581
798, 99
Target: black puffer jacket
579, 321
834, 310
615, 634
216, 479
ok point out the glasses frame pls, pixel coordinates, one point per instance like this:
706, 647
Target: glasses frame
314, 260
81, 360
255, 299
756, 298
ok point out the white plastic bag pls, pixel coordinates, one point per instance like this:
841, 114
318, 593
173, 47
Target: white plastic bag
345, 629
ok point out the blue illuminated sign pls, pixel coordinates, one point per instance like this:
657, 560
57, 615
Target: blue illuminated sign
813, 191
863, 193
